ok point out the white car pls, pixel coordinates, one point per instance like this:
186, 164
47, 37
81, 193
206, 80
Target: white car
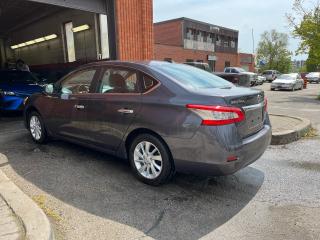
292, 81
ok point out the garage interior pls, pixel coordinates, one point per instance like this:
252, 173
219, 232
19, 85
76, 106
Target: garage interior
53, 37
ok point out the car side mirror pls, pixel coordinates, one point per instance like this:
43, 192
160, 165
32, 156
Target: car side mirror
49, 89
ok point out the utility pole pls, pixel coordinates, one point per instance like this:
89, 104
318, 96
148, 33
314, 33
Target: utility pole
253, 48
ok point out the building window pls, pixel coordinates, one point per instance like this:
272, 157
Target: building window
104, 37
189, 34
227, 64
233, 44
218, 41
226, 43
70, 49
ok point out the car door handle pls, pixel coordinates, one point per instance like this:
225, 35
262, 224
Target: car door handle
125, 111
79, 107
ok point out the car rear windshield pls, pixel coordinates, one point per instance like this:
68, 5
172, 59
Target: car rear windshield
17, 77
191, 77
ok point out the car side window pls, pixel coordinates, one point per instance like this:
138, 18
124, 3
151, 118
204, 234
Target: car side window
234, 71
148, 83
119, 81
79, 83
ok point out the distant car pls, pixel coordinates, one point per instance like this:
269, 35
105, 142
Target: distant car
15, 87
261, 80
271, 75
253, 76
313, 77
292, 81
239, 79
164, 117
203, 66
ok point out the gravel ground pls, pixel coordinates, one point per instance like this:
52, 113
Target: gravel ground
90, 195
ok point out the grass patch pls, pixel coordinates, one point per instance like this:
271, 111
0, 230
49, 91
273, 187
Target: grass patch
41, 201
311, 133
318, 97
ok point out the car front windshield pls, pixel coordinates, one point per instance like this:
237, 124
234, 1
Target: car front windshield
287, 77
192, 77
18, 77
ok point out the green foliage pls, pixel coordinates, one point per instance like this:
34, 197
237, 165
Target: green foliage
273, 49
307, 28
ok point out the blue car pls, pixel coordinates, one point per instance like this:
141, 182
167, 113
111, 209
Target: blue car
15, 87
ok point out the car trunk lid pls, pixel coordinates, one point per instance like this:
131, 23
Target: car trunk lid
251, 101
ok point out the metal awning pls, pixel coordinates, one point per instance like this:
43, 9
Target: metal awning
96, 6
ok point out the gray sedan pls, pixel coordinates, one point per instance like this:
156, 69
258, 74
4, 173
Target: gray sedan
163, 117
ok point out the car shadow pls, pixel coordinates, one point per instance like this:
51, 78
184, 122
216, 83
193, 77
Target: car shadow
187, 208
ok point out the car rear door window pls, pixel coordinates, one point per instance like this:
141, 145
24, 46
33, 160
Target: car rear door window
119, 81
78, 83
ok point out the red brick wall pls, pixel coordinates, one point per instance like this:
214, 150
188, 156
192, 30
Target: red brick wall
169, 33
134, 27
179, 54
241, 63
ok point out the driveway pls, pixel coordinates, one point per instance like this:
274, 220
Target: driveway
90, 195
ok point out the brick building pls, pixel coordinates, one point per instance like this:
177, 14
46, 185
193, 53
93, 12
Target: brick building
187, 40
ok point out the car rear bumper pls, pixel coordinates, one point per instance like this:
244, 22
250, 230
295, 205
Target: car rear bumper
11, 103
200, 155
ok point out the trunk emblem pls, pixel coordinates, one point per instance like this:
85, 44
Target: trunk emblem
238, 101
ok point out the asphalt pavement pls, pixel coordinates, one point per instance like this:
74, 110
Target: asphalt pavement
91, 195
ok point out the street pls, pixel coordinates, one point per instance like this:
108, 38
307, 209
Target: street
91, 195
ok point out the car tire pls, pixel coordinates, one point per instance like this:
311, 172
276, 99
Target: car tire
151, 160
272, 89
37, 128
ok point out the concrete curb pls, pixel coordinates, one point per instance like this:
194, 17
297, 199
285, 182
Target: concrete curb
292, 135
36, 224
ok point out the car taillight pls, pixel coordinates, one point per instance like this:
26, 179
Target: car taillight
217, 115
266, 105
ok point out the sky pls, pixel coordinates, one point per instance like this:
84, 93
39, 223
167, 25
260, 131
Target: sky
242, 15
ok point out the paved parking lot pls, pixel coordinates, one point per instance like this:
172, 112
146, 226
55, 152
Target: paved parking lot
90, 195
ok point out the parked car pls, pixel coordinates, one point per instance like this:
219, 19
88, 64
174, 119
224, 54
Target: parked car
261, 80
239, 79
271, 75
313, 77
253, 76
292, 81
163, 117
15, 87
203, 66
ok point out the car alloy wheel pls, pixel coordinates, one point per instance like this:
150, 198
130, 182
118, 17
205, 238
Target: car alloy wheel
148, 160
35, 128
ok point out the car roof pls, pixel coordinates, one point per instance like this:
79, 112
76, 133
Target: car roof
127, 63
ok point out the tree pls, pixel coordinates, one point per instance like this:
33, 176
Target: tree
273, 51
306, 26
